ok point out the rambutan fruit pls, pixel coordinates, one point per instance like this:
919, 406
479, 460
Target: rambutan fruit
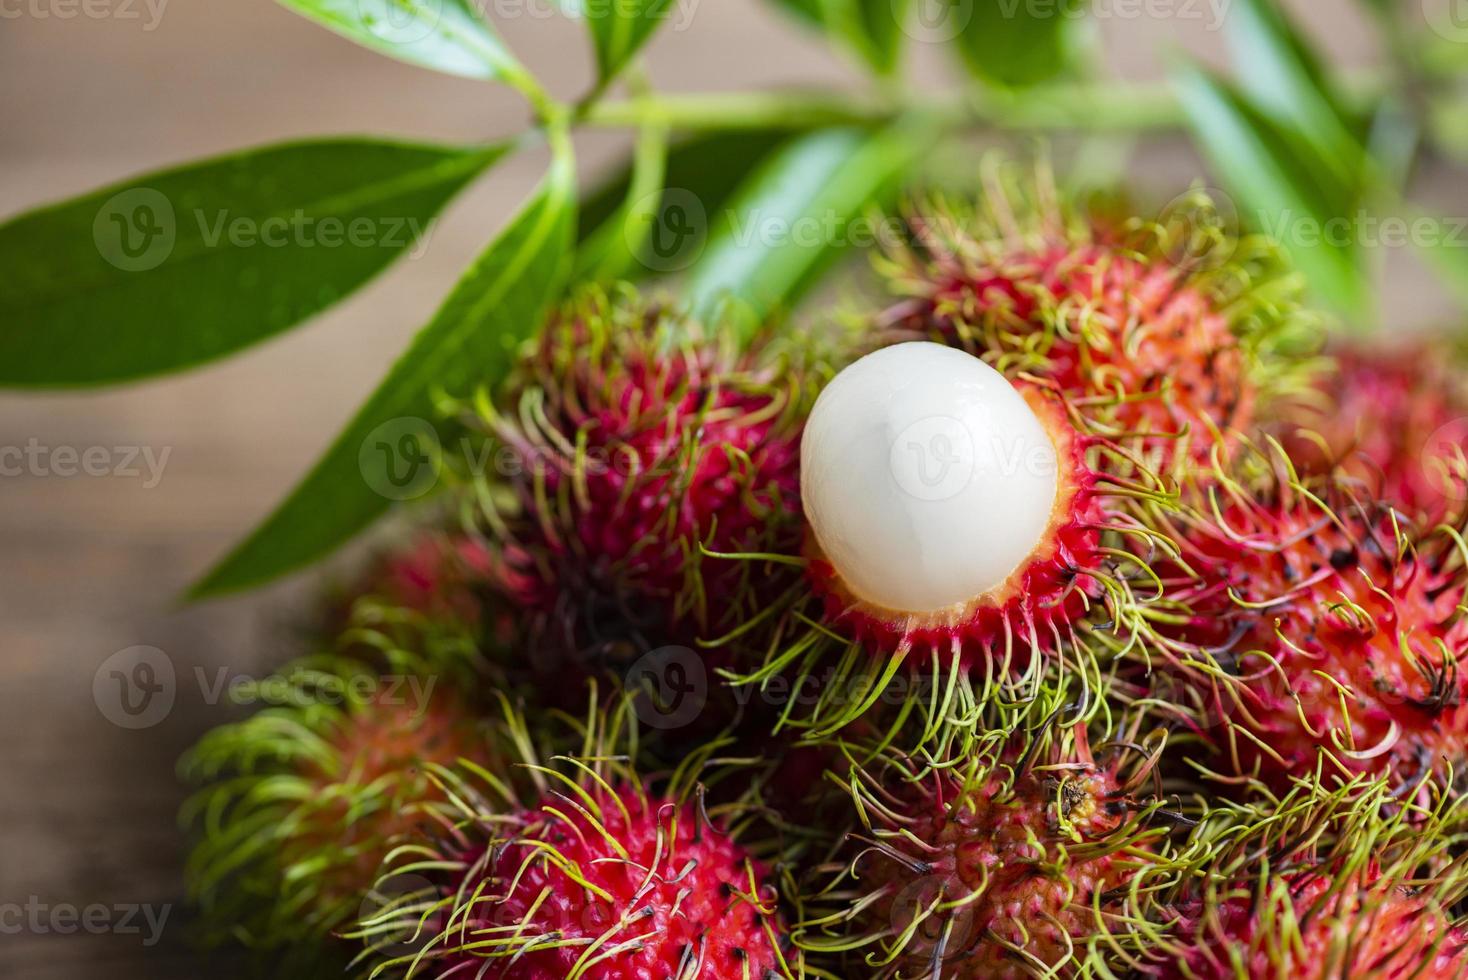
1394, 419
958, 525
1319, 629
634, 450
1318, 886
438, 575
601, 876
302, 801
998, 858
1159, 330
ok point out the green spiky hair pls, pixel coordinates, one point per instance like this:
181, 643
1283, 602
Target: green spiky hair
299, 802
1162, 328
1008, 847
1317, 883
632, 448
581, 867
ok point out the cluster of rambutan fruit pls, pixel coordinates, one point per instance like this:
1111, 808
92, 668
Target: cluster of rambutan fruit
1069, 616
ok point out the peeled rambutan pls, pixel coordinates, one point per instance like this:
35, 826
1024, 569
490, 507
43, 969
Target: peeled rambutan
1153, 328
633, 451
303, 800
1009, 861
1319, 629
948, 510
1394, 419
602, 877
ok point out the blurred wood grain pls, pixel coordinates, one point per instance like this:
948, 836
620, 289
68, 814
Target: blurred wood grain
93, 565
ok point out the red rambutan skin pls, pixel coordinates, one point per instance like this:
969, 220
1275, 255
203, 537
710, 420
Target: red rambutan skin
1130, 341
659, 885
1395, 419
1031, 608
436, 575
1010, 845
1342, 638
681, 444
1363, 927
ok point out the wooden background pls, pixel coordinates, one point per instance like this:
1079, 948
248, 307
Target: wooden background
92, 565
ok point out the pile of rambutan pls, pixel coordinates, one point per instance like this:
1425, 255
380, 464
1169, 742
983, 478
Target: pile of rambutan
1071, 614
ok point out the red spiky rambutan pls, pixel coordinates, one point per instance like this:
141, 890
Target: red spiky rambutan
639, 447
604, 877
1153, 328
1002, 866
304, 799
1319, 883
436, 574
1396, 419
1320, 629
1317, 926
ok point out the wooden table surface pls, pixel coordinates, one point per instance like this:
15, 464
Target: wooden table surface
90, 566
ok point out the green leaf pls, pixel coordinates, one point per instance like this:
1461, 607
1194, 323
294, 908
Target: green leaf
616, 248
389, 451
619, 28
1016, 43
1287, 196
445, 35
1284, 78
702, 173
874, 29
799, 211
176, 268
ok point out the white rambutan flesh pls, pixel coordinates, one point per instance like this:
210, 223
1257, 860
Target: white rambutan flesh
927, 479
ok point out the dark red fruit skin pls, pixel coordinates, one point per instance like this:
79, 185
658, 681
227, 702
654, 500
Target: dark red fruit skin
1390, 932
1394, 419
1131, 341
683, 892
1005, 842
1302, 603
1028, 612
691, 445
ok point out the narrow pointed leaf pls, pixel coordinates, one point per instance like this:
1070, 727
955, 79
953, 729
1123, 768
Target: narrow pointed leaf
805, 205
445, 35
176, 268
390, 450
1284, 78
1285, 197
1015, 43
619, 28
873, 29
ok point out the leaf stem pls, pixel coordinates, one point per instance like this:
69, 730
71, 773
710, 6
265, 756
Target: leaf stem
1086, 107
